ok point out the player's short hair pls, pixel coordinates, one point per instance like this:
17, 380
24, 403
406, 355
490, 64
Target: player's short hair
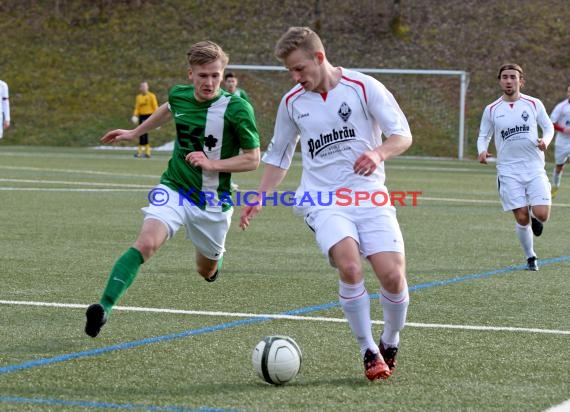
510, 66
229, 75
205, 52
298, 38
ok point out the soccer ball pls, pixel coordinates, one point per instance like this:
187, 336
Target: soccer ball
277, 359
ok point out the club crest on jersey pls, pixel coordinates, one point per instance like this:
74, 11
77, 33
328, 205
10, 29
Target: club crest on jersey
344, 111
524, 115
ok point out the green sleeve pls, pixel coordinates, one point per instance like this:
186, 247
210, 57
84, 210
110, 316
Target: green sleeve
244, 124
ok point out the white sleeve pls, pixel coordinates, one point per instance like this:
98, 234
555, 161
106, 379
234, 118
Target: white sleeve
555, 115
386, 111
545, 124
485, 131
285, 137
5, 103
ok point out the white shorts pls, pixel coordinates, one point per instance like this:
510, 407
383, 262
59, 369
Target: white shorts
561, 151
376, 229
516, 193
206, 229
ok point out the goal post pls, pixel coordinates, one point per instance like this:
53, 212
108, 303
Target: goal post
433, 100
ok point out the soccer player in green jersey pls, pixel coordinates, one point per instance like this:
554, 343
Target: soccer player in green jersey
216, 134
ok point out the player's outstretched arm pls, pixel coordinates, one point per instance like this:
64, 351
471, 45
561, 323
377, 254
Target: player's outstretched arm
116, 135
272, 177
157, 119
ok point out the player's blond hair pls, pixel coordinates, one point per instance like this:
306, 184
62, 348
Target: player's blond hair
510, 66
298, 38
205, 52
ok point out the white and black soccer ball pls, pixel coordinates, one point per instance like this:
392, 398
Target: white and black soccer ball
277, 359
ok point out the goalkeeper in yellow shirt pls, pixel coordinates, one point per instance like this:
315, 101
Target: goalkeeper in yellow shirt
145, 105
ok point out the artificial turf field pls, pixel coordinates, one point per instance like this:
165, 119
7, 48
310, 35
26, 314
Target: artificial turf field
484, 335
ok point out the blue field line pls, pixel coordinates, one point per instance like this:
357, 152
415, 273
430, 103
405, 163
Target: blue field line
128, 345
229, 325
107, 405
482, 275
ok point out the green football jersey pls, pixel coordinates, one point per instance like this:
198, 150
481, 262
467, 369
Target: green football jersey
219, 128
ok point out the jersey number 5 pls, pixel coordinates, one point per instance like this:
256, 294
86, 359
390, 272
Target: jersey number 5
190, 139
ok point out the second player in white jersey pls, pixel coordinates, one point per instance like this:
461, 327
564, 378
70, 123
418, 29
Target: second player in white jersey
523, 187
560, 116
515, 128
335, 128
5, 108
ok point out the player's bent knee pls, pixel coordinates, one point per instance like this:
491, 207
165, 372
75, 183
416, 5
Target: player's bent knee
522, 220
394, 281
351, 272
542, 213
543, 217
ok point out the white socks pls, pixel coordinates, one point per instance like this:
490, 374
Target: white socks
355, 304
524, 234
395, 307
556, 178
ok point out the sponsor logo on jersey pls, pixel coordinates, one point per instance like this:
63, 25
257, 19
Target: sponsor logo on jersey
344, 111
302, 115
328, 139
511, 131
525, 115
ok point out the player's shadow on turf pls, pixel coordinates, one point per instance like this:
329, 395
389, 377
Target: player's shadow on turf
336, 382
298, 382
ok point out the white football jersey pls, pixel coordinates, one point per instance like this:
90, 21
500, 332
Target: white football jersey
4, 101
515, 128
561, 115
334, 129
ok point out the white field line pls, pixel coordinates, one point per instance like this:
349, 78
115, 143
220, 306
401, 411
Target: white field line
563, 407
53, 155
97, 172
474, 170
480, 201
286, 317
73, 183
441, 169
127, 185
76, 171
456, 200
56, 189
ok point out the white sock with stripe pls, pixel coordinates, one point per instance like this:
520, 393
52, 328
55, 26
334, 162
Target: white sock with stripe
355, 304
395, 306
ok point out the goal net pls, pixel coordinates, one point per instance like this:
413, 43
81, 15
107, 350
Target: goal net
433, 101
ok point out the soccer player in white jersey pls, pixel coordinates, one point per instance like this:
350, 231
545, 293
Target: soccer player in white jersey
521, 179
5, 117
338, 116
560, 116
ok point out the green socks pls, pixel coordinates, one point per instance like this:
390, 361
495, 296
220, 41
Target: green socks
121, 277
